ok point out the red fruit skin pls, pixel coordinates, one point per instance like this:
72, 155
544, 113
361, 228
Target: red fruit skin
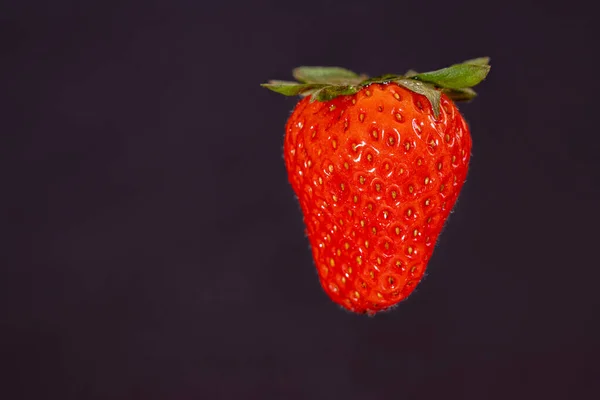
376, 176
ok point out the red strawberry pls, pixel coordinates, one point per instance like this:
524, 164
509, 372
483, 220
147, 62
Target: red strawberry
377, 165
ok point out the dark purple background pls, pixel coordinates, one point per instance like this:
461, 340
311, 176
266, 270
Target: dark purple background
156, 251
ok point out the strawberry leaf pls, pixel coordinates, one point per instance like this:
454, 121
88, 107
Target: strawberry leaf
379, 79
291, 88
478, 61
432, 94
465, 94
331, 92
457, 76
327, 75
326, 83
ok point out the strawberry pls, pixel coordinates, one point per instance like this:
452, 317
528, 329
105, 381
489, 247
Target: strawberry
377, 165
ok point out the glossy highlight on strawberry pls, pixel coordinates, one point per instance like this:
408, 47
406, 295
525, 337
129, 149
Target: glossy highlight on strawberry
377, 169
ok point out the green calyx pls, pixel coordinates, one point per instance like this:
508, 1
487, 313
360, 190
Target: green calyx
327, 83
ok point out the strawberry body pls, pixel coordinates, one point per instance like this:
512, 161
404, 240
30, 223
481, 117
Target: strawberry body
376, 176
